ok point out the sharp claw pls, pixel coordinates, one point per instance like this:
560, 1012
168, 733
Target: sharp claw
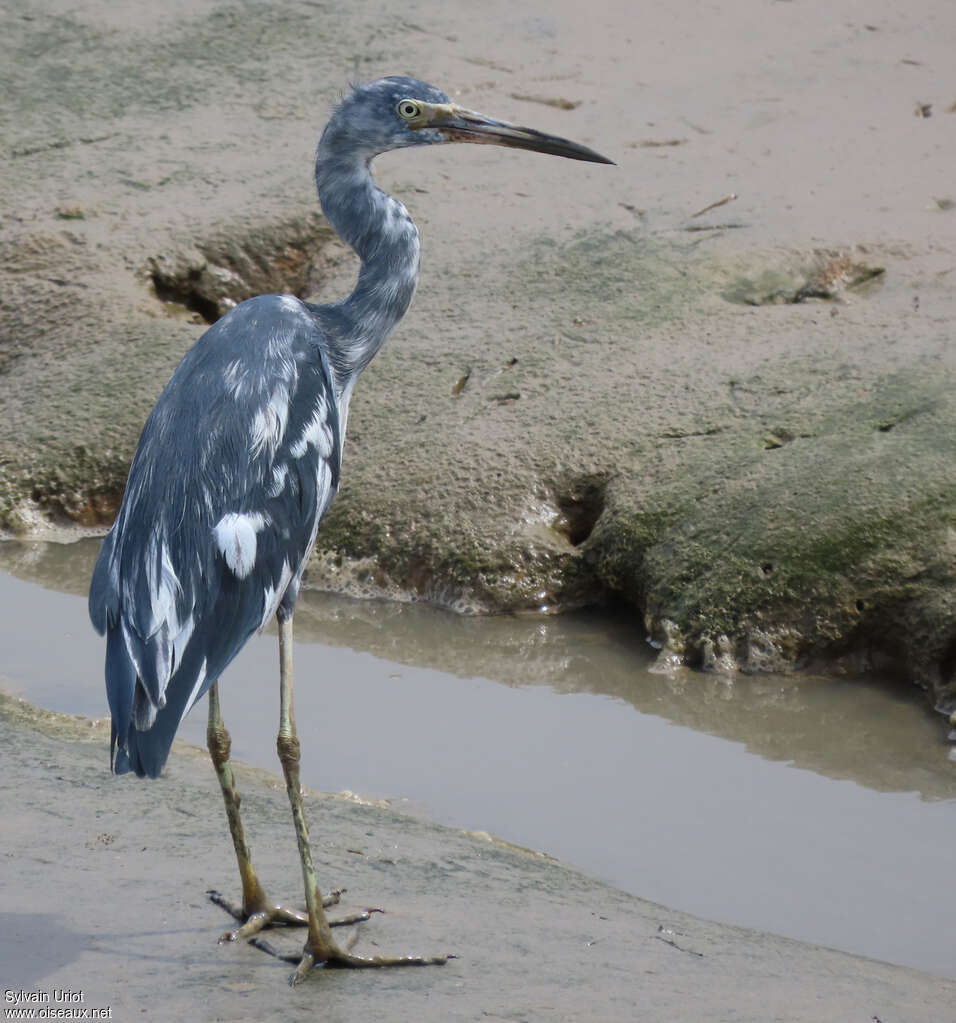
358, 917
302, 970
333, 897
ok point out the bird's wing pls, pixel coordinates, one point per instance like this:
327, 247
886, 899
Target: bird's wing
236, 465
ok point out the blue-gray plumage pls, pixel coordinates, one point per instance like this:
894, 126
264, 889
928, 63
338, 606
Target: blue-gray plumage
236, 465
239, 460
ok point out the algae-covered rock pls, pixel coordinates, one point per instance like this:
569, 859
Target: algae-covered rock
745, 434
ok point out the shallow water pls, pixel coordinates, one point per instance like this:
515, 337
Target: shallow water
817, 808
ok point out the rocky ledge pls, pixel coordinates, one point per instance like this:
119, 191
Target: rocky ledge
740, 423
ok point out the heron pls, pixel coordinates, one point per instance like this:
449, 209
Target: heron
236, 466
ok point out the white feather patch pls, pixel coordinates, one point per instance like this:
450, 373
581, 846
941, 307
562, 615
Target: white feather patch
234, 377
268, 426
290, 303
236, 539
164, 585
279, 475
201, 677
317, 432
272, 596
181, 639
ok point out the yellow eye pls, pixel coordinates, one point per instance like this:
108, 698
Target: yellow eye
408, 109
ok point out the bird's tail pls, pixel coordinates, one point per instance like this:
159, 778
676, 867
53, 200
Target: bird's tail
120, 688
144, 750
145, 753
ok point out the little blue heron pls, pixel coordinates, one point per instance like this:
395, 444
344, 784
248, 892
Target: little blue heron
237, 464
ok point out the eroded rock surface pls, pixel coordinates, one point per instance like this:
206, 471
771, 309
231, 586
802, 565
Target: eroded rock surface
740, 423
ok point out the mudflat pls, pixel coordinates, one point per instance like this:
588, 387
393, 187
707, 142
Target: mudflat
104, 894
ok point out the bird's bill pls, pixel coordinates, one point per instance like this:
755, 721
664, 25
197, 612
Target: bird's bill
457, 124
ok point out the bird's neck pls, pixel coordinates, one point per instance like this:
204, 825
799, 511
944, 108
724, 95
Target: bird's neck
383, 235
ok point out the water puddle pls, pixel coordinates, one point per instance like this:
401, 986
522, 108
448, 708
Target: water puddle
822, 809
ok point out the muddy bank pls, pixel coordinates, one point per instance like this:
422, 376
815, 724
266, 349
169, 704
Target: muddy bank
105, 895
737, 422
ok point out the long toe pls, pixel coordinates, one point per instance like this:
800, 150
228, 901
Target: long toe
254, 918
264, 913
340, 957
343, 958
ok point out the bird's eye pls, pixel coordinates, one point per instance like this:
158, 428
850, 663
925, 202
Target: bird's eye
408, 109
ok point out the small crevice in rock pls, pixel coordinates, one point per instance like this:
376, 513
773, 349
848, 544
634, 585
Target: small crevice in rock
581, 503
947, 663
212, 276
185, 290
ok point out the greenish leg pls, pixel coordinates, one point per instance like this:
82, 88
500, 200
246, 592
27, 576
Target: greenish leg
319, 947
256, 911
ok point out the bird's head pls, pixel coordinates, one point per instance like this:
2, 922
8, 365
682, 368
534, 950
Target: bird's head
398, 112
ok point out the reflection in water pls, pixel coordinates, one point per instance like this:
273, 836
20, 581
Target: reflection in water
643, 780
874, 732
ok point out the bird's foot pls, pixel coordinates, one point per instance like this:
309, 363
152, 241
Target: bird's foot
331, 955
261, 913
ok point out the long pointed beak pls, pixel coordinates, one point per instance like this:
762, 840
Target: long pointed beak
457, 124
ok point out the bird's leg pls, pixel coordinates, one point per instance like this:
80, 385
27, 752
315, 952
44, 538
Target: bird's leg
256, 911
320, 948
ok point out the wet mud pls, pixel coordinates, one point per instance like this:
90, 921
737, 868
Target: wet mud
104, 894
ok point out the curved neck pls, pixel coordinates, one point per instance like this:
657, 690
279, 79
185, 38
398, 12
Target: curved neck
383, 235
